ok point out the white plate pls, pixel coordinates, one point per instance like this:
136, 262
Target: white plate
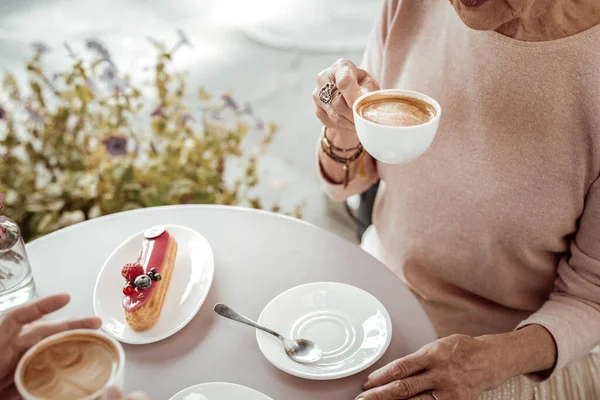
351, 326
192, 276
219, 391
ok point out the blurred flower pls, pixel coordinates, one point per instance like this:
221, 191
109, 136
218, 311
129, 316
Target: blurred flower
260, 125
40, 47
98, 47
91, 85
230, 102
248, 109
1, 197
34, 115
109, 73
187, 117
158, 112
183, 39
116, 146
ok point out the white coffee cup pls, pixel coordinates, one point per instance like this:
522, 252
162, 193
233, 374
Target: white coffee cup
396, 144
116, 378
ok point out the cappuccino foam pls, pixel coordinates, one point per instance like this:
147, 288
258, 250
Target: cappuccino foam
394, 110
70, 368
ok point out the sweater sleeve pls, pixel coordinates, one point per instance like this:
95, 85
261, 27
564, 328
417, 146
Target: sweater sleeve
572, 312
366, 174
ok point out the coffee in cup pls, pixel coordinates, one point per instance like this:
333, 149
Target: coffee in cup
396, 126
396, 110
73, 365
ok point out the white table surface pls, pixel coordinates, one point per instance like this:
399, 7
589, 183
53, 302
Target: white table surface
257, 256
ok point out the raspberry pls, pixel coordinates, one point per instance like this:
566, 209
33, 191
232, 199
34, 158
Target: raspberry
128, 290
132, 271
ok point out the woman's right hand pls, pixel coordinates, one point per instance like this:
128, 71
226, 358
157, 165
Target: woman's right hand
350, 82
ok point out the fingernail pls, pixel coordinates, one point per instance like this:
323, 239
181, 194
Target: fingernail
367, 385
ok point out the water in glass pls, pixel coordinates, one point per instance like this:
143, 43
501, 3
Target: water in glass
16, 281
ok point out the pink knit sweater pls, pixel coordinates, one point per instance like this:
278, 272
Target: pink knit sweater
498, 224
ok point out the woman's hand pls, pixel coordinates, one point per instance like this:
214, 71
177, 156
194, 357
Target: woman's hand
350, 82
457, 367
461, 367
20, 329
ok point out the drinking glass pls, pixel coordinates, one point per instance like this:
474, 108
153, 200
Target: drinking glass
16, 281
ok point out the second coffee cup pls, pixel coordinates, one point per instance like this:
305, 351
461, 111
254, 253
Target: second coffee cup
75, 365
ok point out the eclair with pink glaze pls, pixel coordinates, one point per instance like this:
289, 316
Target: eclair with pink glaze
148, 279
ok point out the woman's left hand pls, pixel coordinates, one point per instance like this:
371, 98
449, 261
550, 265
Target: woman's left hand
457, 367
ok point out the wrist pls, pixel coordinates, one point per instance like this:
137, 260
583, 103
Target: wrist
527, 350
342, 138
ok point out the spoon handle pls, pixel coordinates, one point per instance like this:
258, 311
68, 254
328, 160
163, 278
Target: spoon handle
227, 312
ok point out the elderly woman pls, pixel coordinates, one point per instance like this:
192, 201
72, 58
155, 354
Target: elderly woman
496, 228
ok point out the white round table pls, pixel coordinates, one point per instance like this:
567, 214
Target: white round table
257, 256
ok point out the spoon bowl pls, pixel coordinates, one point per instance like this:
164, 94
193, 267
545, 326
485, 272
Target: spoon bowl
302, 350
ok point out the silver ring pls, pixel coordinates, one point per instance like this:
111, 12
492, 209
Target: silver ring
326, 93
429, 392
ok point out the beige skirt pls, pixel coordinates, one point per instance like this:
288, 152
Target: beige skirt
579, 380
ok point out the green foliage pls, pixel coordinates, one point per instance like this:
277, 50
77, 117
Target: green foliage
85, 142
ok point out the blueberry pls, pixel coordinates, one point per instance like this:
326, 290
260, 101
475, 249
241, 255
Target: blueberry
143, 282
157, 277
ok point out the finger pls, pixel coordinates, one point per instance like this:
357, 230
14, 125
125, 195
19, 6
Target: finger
338, 104
333, 120
39, 308
337, 116
138, 396
113, 393
401, 389
368, 84
397, 370
13, 321
346, 81
34, 333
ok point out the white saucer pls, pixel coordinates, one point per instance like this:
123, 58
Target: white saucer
219, 391
351, 326
191, 280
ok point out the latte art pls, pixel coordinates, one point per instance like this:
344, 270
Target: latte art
70, 369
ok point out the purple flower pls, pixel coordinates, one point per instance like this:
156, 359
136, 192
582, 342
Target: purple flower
260, 125
98, 47
187, 117
183, 39
109, 73
230, 102
2, 116
40, 47
34, 115
248, 109
1, 197
116, 146
158, 112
